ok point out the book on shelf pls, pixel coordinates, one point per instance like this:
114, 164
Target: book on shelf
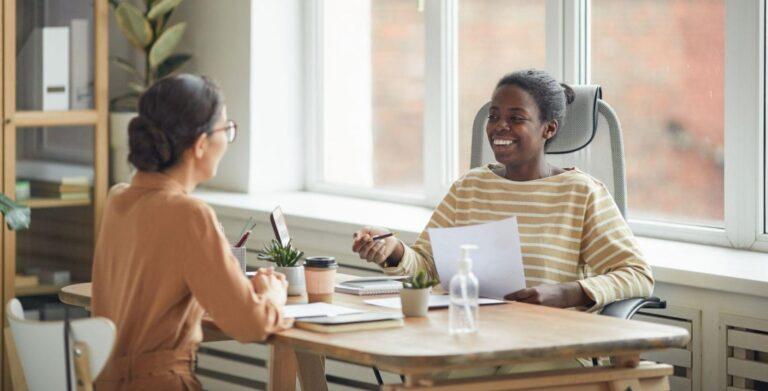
64, 196
70, 174
47, 187
24, 281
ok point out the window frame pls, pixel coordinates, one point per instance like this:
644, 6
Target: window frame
744, 152
568, 58
440, 108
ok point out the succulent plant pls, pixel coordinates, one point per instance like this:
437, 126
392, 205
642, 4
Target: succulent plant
282, 256
420, 281
149, 32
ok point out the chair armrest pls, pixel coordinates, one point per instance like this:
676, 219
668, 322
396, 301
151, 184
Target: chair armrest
626, 309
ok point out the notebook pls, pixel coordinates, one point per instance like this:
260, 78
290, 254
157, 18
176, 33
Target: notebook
435, 301
351, 322
371, 286
319, 310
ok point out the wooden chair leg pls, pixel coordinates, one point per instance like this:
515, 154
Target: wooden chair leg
17, 372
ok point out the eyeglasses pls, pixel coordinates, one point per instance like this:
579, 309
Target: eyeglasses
231, 129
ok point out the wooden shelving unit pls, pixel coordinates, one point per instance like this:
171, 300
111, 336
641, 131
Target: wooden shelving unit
37, 290
38, 203
62, 232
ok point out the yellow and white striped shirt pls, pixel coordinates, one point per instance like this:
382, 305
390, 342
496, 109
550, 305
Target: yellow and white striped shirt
570, 230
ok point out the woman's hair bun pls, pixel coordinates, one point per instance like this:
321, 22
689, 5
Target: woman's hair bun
570, 95
150, 149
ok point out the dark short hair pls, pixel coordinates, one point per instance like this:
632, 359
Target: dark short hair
173, 113
551, 97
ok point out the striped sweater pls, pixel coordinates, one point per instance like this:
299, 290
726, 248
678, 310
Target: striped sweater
570, 230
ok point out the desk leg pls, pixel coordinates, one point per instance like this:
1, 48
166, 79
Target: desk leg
282, 368
311, 372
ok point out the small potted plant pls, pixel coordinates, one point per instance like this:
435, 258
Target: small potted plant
414, 297
287, 261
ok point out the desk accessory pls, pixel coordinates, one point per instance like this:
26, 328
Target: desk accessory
372, 286
314, 310
351, 322
320, 276
287, 260
414, 298
277, 219
464, 291
240, 255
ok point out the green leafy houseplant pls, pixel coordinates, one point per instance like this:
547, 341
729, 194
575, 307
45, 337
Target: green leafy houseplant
274, 251
420, 281
149, 32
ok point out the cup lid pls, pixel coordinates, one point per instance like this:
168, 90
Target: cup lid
320, 262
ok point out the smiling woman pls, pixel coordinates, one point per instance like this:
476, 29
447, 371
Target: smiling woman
577, 249
535, 104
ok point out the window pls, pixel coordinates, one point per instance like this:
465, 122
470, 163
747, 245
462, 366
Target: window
489, 47
394, 90
661, 66
372, 94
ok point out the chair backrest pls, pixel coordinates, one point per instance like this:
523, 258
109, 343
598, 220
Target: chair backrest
40, 347
589, 138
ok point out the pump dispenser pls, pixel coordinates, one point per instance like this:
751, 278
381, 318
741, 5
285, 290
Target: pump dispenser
463, 310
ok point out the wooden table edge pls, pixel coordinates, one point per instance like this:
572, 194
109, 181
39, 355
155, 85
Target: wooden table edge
407, 364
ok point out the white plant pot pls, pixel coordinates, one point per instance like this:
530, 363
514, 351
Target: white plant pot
295, 277
414, 302
121, 170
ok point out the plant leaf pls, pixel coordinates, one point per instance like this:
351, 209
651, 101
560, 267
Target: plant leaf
128, 67
128, 101
165, 44
162, 7
172, 64
133, 25
136, 87
113, 3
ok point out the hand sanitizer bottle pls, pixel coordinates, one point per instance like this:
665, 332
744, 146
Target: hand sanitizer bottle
463, 309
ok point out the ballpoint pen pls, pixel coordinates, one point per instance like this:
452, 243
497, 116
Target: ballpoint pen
377, 237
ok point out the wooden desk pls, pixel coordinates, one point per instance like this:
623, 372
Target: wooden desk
509, 333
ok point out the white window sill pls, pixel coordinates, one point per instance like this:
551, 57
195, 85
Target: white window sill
678, 263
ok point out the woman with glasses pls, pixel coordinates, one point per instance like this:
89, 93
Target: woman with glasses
161, 259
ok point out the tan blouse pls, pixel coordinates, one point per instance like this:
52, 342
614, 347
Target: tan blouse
161, 260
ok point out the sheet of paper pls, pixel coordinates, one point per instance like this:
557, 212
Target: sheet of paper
435, 301
317, 309
497, 262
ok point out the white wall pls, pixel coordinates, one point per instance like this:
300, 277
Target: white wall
254, 50
346, 93
277, 95
217, 36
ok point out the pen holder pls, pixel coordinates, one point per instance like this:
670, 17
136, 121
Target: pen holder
239, 253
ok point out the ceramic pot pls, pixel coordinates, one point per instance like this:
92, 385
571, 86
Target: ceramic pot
414, 302
295, 277
121, 170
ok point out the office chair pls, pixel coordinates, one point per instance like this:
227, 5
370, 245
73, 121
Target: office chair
41, 350
589, 138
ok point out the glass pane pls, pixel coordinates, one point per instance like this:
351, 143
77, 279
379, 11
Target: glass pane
54, 177
661, 67
496, 37
54, 54
373, 94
